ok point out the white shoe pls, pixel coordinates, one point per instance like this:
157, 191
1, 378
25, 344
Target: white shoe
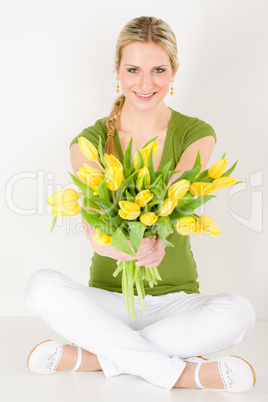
237, 374
45, 357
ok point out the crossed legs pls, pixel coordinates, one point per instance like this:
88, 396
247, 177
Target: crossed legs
174, 326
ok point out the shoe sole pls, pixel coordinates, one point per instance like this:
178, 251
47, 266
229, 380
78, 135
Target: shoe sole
252, 369
34, 350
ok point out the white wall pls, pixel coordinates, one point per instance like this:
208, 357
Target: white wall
57, 77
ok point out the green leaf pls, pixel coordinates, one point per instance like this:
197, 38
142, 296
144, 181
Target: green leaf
180, 213
228, 172
198, 202
126, 172
94, 219
223, 156
107, 206
145, 180
132, 187
188, 175
103, 191
140, 159
165, 170
154, 202
115, 221
156, 192
149, 142
128, 155
119, 192
88, 202
201, 176
173, 171
129, 197
197, 160
164, 228
131, 167
157, 183
151, 166
53, 224
136, 234
120, 242
164, 191
87, 190
100, 151
187, 198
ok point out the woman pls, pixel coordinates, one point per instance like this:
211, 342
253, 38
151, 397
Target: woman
179, 324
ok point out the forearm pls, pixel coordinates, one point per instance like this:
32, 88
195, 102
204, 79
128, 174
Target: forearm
105, 251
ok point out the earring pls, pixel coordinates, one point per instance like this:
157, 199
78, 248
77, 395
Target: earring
117, 86
171, 88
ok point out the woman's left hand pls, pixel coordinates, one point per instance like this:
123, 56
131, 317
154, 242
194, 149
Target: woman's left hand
154, 256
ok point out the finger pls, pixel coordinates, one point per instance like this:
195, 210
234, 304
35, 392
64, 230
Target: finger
129, 258
144, 249
152, 262
143, 253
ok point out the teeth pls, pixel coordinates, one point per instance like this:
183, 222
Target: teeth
146, 96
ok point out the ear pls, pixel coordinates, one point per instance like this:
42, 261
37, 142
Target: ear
117, 76
173, 75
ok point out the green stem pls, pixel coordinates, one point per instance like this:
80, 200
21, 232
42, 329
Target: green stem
157, 273
205, 178
99, 165
125, 287
139, 285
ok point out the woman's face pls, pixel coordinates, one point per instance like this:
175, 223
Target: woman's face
145, 74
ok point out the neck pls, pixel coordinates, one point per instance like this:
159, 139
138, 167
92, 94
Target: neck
143, 122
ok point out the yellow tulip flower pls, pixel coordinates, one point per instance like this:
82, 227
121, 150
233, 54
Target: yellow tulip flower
143, 197
208, 225
186, 226
143, 172
114, 176
218, 168
149, 218
201, 188
62, 196
129, 210
111, 159
168, 206
93, 177
67, 209
223, 182
101, 238
145, 153
88, 149
64, 202
179, 189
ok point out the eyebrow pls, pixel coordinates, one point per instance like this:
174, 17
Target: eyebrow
161, 65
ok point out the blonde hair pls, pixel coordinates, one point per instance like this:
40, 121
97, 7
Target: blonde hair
143, 29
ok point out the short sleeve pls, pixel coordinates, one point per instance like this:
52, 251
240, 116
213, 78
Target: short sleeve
93, 133
197, 129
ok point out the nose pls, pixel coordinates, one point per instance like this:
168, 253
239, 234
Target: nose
146, 83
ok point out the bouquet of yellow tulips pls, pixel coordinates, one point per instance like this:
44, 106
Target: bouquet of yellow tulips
129, 201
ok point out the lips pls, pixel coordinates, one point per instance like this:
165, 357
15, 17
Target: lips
145, 96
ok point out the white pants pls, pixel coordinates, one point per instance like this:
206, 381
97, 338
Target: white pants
173, 327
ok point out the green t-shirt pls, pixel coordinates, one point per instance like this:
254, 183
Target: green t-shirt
178, 267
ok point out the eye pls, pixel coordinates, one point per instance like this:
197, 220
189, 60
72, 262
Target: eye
160, 70
132, 70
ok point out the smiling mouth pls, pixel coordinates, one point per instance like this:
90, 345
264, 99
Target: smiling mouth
145, 95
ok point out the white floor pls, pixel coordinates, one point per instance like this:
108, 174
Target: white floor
19, 335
